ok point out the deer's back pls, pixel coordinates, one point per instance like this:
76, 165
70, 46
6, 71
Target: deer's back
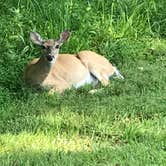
69, 68
92, 59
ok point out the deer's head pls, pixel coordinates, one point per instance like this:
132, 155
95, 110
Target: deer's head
51, 46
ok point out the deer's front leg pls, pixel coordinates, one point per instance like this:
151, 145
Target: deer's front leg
59, 88
52, 91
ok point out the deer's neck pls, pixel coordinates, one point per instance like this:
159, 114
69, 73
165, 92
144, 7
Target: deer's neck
44, 66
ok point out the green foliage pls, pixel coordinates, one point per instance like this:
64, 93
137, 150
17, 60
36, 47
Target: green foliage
124, 123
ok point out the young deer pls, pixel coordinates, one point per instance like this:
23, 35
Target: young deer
57, 72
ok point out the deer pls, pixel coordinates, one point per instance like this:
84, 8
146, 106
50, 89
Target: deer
56, 72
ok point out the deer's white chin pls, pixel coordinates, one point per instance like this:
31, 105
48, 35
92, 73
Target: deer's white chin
54, 56
52, 62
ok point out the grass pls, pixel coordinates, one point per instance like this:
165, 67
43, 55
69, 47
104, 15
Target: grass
124, 124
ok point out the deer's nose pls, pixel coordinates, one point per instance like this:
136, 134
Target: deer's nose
50, 57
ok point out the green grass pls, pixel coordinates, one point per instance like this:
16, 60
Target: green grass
123, 124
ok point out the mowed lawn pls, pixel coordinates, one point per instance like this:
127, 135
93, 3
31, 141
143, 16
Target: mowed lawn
122, 124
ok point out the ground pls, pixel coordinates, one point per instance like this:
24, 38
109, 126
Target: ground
123, 124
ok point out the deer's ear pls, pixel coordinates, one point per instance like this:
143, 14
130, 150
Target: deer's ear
64, 36
36, 38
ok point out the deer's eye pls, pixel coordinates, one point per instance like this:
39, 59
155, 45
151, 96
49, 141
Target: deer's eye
57, 46
43, 47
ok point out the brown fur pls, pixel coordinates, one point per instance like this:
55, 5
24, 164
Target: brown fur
97, 64
63, 71
66, 71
